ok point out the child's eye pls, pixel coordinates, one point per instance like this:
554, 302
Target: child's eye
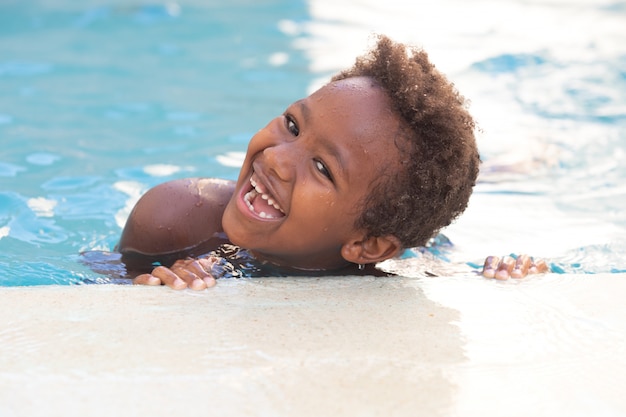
322, 168
291, 125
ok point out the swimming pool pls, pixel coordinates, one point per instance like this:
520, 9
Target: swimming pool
100, 102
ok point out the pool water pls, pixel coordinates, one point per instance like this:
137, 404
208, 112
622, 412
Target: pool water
100, 102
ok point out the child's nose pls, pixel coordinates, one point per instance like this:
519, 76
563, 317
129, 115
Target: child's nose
282, 160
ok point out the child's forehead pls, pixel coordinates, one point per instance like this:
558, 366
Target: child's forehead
354, 118
356, 108
356, 98
351, 87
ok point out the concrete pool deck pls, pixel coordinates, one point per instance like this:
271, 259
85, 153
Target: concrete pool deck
550, 345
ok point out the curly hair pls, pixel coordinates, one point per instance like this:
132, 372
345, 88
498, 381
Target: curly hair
438, 133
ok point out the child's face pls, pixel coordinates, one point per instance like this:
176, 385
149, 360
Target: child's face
311, 168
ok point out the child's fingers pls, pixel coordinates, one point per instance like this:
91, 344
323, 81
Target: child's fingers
197, 284
183, 274
200, 269
169, 278
146, 279
209, 281
192, 273
207, 263
197, 268
505, 268
491, 264
521, 266
539, 267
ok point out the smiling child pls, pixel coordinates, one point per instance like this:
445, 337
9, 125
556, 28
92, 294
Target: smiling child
376, 161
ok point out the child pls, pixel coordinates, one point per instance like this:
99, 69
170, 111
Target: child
376, 161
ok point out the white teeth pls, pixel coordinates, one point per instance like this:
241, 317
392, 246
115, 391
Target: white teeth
248, 197
260, 191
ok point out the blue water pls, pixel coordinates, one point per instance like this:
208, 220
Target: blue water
98, 103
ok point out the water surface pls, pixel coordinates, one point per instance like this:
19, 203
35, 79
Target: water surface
99, 102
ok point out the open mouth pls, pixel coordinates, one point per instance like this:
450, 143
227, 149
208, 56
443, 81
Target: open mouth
261, 202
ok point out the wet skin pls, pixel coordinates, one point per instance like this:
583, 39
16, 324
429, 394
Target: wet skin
297, 197
316, 162
174, 220
509, 267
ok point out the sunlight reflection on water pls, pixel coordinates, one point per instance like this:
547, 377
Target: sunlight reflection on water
83, 121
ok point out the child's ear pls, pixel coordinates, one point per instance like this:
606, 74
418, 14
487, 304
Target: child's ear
371, 250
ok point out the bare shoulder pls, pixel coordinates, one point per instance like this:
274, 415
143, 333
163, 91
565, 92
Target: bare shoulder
175, 216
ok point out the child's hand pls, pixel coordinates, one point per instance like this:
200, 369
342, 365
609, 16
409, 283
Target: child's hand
185, 273
507, 267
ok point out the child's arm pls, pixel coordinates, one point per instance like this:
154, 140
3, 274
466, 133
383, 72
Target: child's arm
508, 267
174, 220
